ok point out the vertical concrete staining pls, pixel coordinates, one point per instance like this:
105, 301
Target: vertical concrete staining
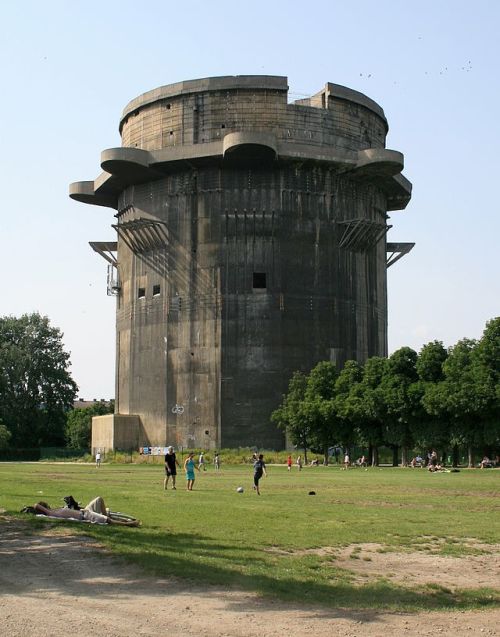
251, 243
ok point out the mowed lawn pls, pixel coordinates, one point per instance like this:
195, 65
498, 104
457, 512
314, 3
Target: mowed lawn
272, 544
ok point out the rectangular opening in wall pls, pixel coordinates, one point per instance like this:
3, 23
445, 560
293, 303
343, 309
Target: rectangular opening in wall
259, 280
156, 290
141, 293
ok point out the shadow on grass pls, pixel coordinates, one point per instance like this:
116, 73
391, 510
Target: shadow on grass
230, 565
201, 563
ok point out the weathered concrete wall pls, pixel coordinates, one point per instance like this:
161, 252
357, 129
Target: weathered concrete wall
202, 112
251, 243
115, 431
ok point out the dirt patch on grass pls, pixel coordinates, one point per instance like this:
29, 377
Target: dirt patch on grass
479, 567
53, 583
423, 567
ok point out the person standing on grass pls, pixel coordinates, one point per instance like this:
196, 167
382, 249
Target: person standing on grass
170, 467
217, 462
189, 467
346, 460
201, 462
289, 463
259, 470
299, 463
98, 459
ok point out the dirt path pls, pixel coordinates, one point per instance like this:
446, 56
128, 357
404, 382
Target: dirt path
55, 585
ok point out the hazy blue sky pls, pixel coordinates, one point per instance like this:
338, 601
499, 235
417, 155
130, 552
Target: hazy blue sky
69, 68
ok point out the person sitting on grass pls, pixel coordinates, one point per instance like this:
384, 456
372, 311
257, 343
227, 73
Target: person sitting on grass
434, 468
95, 512
485, 463
434, 464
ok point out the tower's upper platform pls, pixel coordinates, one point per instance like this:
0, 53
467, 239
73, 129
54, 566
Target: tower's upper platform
247, 117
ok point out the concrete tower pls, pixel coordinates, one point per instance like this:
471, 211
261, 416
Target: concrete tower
251, 242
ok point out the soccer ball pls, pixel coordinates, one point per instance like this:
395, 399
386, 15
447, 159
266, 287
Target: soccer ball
239, 489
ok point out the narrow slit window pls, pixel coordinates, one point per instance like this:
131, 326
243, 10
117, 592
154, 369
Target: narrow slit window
259, 280
141, 293
156, 290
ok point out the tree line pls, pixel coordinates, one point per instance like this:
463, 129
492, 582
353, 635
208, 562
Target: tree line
440, 398
447, 399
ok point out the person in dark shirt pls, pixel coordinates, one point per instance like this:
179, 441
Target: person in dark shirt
259, 469
170, 467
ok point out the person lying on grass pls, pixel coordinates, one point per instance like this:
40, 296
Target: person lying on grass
95, 512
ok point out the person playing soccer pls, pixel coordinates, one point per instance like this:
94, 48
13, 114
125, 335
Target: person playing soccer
259, 469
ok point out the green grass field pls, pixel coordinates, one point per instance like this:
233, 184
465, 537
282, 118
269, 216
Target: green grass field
266, 544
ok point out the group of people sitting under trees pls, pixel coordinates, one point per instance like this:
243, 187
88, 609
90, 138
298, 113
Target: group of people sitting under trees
433, 463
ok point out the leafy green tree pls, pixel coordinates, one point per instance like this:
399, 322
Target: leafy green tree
400, 401
487, 366
36, 388
290, 416
347, 405
469, 394
461, 397
488, 350
349, 376
319, 408
430, 430
430, 362
369, 407
464, 399
5, 437
78, 430
308, 411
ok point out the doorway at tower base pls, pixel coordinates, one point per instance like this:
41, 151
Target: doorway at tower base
117, 431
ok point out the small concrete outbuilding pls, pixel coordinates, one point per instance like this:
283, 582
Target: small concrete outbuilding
251, 242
